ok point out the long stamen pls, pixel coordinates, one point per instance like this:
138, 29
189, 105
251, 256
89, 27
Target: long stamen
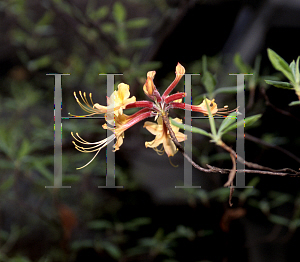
86, 106
97, 146
82, 141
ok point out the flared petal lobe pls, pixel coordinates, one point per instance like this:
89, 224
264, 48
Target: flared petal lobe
119, 99
162, 136
203, 109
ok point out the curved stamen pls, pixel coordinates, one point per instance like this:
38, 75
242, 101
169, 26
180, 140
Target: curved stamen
87, 107
97, 146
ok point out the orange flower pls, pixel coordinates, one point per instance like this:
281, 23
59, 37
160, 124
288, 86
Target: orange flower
203, 108
163, 137
116, 102
120, 122
149, 86
119, 99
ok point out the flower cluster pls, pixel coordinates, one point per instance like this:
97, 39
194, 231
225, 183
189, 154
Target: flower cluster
158, 107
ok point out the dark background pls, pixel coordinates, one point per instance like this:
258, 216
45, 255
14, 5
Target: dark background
148, 220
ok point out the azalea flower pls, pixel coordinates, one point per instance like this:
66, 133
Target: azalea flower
116, 102
163, 137
123, 122
159, 107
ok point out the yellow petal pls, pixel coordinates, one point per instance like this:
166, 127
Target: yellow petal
169, 147
212, 105
102, 109
180, 70
153, 128
123, 91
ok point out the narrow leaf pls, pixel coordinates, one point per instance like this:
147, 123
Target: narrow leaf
297, 74
293, 67
281, 65
140, 43
227, 122
228, 90
209, 82
239, 63
294, 103
279, 220
100, 13
280, 84
100, 224
248, 121
190, 128
138, 22
119, 12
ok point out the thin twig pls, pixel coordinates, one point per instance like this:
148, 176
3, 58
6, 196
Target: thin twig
283, 112
260, 141
212, 169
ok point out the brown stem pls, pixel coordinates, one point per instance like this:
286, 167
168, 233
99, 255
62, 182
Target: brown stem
283, 112
179, 146
212, 169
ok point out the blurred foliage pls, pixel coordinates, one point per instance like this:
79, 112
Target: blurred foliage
85, 39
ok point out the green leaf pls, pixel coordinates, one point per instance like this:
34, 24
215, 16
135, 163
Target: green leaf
71, 179
297, 74
209, 82
281, 65
119, 12
211, 121
247, 122
121, 36
100, 224
253, 182
293, 67
294, 224
108, 27
239, 63
140, 43
7, 184
46, 19
190, 128
39, 63
134, 224
111, 249
280, 84
137, 22
294, 103
227, 122
100, 13
227, 90
279, 220
25, 148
